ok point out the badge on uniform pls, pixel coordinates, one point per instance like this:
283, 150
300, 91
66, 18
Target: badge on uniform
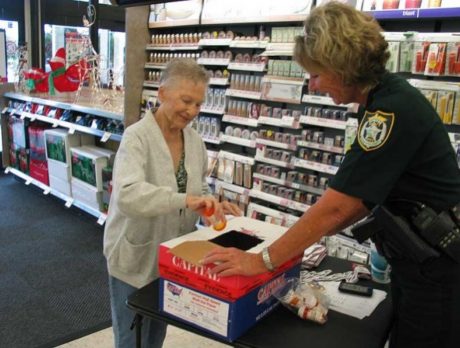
375, 129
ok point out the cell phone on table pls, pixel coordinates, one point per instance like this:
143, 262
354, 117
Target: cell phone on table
355, 289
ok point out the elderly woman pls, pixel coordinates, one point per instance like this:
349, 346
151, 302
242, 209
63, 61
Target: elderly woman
159, 187
401, 162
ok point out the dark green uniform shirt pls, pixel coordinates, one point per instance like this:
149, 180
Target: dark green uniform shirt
401, 150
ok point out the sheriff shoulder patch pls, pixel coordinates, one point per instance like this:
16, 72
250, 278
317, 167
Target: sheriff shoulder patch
375, 129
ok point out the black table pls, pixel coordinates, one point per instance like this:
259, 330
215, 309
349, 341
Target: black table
282, 328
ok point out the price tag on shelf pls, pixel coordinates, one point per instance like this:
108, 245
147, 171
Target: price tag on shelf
23, 115
28, 181
7, 170
5, 109
55, 123
69, 203
71, 130
12, 112
284, 202
106, 136
102, 218
33, 118
47, 191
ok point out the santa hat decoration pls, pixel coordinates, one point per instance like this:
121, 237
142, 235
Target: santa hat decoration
58, 61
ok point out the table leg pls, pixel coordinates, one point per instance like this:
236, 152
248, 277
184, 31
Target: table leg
137, 323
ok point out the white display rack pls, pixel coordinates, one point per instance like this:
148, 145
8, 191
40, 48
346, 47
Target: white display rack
69, 201
318, 146
259, 67
285, 121
215, 42
216, 141
279, 200
287, 218
290, 184
249, 44
213, 61
237, 140
322, 100
319, 167
72, 127
214, 111
274, 162
172, 47
242, 94
234, 157
323, 122
245, 121
231, 187
154, 66
151, 84
276, 144
218, 81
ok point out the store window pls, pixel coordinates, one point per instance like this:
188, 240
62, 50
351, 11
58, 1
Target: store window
111, 49
12, 41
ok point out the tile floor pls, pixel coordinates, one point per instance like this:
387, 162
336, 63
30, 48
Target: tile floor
174, 338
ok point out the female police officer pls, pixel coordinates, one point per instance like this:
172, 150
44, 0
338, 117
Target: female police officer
402, 151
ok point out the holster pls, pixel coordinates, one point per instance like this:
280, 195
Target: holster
398, 234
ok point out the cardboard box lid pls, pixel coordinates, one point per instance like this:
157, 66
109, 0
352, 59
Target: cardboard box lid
193, 246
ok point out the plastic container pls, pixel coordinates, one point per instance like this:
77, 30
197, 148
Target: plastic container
216, 223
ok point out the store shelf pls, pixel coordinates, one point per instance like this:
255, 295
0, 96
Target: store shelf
249, 44
231, 187
319, 167
215, 42
279, 200
214, 111
155, 66
66, 105
174, 23
151, 84
235, 157
290, 184
72, 127
285, 80
245, 121
321, 100
323, 122
216, 141
69, 201
172, 47
274, 162
213, 61
285, 121
218, 81
242, 94
276, 144
313, 145
260, 19
259, 67
238, 141
452, 12
288, 218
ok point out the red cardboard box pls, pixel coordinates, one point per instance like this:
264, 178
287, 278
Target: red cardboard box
178, 257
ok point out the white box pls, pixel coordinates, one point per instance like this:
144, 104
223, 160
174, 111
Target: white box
86, 194
59, 170
60, 185
59, 141
87, 166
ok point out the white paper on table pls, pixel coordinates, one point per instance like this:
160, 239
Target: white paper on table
354, 305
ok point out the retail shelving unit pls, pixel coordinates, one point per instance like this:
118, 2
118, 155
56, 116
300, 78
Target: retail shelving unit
106, 128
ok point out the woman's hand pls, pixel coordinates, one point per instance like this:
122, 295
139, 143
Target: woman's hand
231, 209
232, 261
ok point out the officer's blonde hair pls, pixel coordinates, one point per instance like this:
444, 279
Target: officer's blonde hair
339, 39
183, 69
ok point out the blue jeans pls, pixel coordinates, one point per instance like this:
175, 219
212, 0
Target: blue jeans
153, 332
